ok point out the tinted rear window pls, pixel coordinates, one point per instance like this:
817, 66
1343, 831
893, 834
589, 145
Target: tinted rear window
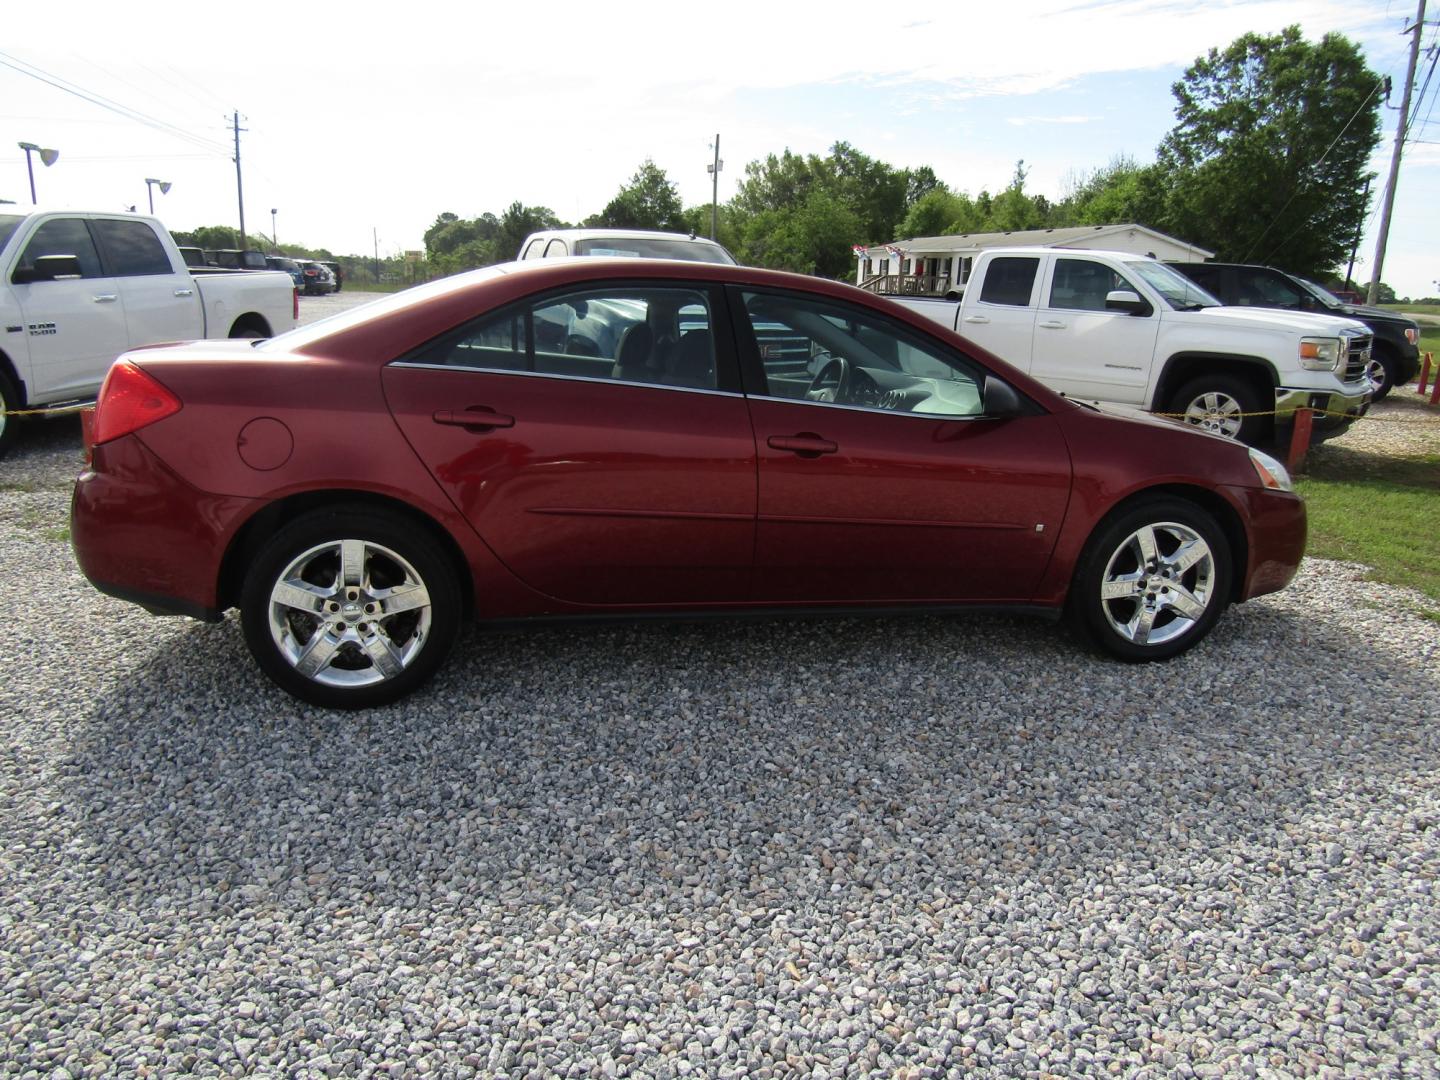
133, 248
1009, 281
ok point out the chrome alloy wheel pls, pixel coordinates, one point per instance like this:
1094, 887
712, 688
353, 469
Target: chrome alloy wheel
1158, 583
1216, 412
1377, 376
349, 613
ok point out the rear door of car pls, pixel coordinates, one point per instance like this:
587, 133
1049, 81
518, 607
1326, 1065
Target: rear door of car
998, 310
889, 492
596, 439
160, 299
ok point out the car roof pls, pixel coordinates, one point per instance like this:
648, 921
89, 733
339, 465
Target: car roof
622, 234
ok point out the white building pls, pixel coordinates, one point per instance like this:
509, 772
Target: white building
937, 265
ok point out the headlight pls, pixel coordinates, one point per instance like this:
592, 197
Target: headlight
1320, 353
1272, 474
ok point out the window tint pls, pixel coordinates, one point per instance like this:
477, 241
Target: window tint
63, 236
820, 351
658, 336
1259, 288
133, 248
1082, 285
1009, 281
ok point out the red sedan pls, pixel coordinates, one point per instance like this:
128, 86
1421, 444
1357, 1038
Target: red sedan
583, 437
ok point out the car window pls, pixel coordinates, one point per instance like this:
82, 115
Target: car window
1082, 285
555, 248
832, 353
1260, 289
534, 249
63, 236
133, 248
654, 247
657, 336
1009, 281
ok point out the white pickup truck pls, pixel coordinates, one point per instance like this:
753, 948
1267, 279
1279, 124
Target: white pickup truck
1115, 327
80, 288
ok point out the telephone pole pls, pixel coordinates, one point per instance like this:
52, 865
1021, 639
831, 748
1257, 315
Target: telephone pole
1402, 127
239, 187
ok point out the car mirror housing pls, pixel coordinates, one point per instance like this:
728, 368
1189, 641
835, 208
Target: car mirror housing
1127, 301
1000, 399
48, 268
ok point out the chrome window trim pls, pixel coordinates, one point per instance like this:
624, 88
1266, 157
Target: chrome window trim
567, 378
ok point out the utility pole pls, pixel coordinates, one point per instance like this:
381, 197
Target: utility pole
375, 238
714, 170
1402, 126
239, 187
1359, 228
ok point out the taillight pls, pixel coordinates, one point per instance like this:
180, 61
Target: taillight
130, 400
295, 304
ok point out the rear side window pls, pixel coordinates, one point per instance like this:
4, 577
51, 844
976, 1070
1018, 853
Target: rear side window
1009, 281
133, 248
658, 336
63, 236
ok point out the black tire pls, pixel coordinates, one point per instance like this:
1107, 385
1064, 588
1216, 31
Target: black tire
1170, 592
345, 615
1383, 372
9, 402
1224, 404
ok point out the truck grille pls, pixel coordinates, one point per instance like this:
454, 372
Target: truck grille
1357, 357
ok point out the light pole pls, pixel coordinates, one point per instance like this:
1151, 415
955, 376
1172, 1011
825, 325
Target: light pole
150, 183
274, 243
49, 157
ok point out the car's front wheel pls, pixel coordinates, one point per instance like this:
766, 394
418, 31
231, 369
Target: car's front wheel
1152, 581
9, 404
350, 608
1223, 405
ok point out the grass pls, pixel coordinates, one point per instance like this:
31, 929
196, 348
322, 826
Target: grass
1382, 510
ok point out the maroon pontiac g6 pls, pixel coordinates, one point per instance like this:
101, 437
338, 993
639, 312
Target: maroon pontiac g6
583, 437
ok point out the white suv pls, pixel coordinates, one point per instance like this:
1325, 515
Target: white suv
626, 243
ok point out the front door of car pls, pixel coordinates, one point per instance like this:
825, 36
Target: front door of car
881, 479
1084, 349
74, 326
596, 441
161, 301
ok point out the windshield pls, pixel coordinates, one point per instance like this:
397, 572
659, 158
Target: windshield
659, 247
8, 222
1179, 291
1324, 295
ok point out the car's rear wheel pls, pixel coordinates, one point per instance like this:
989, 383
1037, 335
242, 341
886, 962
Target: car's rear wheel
349, 608
1224, 405
1152, 581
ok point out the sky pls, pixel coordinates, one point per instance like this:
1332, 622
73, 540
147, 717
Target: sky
363, 122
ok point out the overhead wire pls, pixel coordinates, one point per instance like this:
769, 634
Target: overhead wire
95, 98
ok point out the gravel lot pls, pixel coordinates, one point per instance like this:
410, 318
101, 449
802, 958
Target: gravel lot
898, 848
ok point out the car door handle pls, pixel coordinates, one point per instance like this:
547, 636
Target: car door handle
106, 298
474, 418
1052, 324
184, 292
976, 319
805, 444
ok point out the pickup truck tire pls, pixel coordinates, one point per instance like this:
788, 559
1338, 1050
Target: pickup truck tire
9, 402
1220, 403
316, 607
1152, 580
1383, 371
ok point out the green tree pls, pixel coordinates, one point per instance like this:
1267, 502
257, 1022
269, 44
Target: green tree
1269, 155
1122, 191
815, 238
648, 201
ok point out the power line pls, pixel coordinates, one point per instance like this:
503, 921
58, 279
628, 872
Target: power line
94, 98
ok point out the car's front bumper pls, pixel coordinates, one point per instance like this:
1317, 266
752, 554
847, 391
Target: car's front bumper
1337, 409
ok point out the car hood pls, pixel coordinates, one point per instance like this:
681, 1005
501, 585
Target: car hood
1362, 311
1293, 321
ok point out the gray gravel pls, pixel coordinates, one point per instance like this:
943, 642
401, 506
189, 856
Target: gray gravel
898, 848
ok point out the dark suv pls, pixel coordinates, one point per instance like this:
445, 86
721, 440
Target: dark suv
1395, 357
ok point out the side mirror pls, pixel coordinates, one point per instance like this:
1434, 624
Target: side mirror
1127, 301
1000, 399
48, 268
